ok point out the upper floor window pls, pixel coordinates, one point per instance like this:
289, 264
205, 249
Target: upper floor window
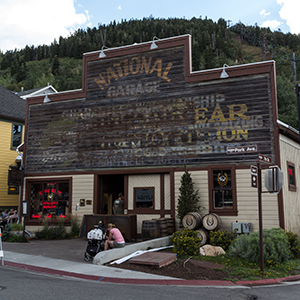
222, 190
16, 139
291, 176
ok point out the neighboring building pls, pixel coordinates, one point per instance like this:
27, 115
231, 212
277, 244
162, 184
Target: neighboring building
43, 91
139, 119
12, 120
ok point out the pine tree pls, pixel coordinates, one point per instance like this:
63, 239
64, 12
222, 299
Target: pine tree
188, 200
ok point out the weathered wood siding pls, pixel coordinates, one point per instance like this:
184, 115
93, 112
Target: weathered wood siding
290, 153
140, 112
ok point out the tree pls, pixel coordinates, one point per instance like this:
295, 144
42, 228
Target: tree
188, 200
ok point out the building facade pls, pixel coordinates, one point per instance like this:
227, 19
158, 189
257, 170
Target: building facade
140, 118
12, 120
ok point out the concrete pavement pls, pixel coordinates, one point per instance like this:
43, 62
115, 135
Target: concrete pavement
65, 258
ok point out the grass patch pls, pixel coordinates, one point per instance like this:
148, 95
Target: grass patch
239, 269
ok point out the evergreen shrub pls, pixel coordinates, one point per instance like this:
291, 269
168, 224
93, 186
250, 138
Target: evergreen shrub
188, 200
186, 242
275, 242
294, 242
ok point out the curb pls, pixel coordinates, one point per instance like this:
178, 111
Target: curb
177, 282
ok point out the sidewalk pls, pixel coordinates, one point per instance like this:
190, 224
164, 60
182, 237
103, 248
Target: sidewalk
66, 258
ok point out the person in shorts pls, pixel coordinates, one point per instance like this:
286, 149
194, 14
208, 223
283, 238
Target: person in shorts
114, 239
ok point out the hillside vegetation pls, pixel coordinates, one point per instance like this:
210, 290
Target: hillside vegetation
213, 44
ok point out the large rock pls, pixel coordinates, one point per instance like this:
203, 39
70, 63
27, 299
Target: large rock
210, 250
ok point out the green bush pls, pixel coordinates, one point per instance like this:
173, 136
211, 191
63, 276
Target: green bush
222, 238
294, 242
74, 227
17, 227
16, 239
186, 242
275, 245
8, 235
51, 233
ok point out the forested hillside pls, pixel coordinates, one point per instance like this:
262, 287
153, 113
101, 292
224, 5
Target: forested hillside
213, 44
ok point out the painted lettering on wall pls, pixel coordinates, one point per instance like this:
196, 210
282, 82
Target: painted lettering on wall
133, 66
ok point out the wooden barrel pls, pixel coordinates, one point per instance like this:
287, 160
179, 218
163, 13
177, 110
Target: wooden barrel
211, 222
150, 229
163, 226
203, 234
171, 225
192, 220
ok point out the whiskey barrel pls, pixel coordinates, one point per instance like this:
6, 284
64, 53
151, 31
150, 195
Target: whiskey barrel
171, 225
150, 229
203, 234
192, 221
163, 226
211, 222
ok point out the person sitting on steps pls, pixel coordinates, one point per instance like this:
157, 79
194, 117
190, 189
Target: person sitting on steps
114, 239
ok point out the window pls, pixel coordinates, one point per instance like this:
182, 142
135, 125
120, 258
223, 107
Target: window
49, 200
222, 191
16, 139
144, 197
291, 176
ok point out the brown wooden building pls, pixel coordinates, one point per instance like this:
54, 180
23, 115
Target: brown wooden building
140, 117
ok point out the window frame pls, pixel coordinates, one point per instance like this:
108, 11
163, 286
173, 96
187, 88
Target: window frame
12, 147
222, 211
29, 182
145, 210
292, 187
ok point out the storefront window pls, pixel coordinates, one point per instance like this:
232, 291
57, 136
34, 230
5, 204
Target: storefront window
222, 191
49, 199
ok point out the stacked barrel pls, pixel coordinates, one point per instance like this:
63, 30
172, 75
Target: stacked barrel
157, 228
194, 221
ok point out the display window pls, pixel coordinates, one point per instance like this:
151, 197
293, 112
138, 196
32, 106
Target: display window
222, 190
49, 199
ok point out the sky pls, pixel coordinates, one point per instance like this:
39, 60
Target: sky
38, 22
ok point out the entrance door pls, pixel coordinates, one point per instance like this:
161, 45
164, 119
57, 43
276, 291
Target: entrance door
110, 187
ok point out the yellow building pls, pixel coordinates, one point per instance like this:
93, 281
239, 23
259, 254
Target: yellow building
12, 119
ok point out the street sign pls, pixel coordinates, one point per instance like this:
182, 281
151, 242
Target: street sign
242, 149
274, 179
254, 181
254, 170
264, 158
254, 173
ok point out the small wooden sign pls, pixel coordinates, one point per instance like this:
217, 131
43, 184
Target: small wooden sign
264, 158
242, 149
88, 202
82, 202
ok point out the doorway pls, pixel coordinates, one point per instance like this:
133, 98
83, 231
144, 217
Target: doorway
110, 187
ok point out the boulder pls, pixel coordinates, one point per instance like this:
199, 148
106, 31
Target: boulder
210, 250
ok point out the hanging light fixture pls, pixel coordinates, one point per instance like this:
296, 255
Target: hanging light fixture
102, 54
224, 74
46, 99
153, 45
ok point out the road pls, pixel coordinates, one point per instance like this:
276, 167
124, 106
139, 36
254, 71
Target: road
25, 285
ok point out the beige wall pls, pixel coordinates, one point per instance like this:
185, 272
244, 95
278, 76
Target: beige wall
290, 151
149, 180
247, 200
